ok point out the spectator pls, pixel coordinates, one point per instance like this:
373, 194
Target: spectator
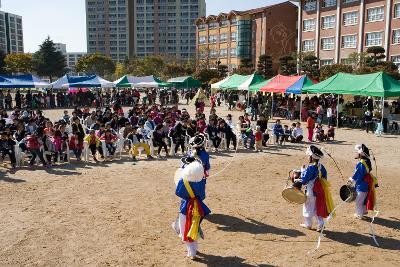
94, 145
212, 132
278, 132
7, 148
310, 126
297, 133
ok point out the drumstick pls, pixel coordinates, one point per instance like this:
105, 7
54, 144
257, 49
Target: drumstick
337, 165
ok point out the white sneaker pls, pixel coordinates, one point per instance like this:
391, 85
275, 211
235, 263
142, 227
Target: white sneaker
305, 226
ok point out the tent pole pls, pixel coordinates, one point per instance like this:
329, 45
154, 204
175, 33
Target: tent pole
383, 107
248, 98
337, 112
301, 107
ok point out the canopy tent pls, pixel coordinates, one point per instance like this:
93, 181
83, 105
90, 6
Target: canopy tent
92, 81
257, 86
22, 81
253, 79
287, 84
377, 84
218, 84
184, 82
235, 81
140, 82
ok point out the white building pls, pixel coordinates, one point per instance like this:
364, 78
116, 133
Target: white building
61, 47
72, 60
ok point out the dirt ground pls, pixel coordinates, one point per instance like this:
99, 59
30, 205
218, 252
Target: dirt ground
120, 213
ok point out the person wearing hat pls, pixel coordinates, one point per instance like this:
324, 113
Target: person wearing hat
197, 142
319, 202
190, 187
365, 182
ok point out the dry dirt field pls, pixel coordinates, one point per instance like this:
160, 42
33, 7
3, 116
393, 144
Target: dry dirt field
119, 213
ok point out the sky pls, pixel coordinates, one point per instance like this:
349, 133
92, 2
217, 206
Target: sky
65, 20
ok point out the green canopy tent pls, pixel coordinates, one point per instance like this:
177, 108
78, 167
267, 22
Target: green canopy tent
235, 81
184, 82
377, 84
257, 86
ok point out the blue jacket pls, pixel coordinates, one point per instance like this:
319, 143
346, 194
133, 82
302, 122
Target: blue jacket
312, 173
199, 190
358, 177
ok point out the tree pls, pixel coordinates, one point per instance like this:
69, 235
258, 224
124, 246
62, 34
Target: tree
246, 63
203, 58
358, 60
206, 75
330, 70
222, 70
48, 61
308, 64
377, 53
264, 66
172, 70
18, 63
287, 65
96, 64
2, 63
120, 70
149, 65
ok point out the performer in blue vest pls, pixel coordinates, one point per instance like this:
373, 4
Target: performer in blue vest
190, 187
365, 182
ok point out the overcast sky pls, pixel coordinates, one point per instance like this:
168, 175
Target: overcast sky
64, 20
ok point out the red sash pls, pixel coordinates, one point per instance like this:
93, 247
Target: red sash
370, 200
189, 217
320, 202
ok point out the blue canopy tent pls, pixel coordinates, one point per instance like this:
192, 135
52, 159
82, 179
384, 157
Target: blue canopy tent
22, 81
92, 81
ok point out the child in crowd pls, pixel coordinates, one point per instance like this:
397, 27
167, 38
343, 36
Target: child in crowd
76, 146
319, 133
258, 137
33, 144
159, 140
110, 140
331, 133
66, 117
94, 145
136, 141
286, 133
58, 145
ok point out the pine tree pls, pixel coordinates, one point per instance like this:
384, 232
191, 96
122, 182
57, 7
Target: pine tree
48, 61
264, 66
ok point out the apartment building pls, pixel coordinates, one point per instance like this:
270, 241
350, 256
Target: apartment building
127, 28
333, 29
229, 38
11, 34
72, 59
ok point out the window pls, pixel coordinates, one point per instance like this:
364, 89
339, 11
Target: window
328, 3
233, 21
213, 53
395, 60
396, 37
233, 52
224, 23
308, 45
350, 18
396, 13
212, 39
328, 43
308, 25
349, 41
233, 36
223, 37
310, 5
201, 27
328, 22
375, 14
213, 25
346, 61
325, 62
202, 39
223, 52
373, 38
349, 1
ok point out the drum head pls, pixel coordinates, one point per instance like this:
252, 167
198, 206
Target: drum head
347, 193
294, 195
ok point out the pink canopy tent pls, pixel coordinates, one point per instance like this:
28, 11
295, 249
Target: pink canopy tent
76, 90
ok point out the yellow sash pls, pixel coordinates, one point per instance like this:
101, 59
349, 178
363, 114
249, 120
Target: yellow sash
193, 232
328, 196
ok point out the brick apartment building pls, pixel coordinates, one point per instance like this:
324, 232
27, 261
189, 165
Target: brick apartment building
333, 29
245, 35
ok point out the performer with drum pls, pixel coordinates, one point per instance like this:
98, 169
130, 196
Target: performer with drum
365, 182
319, 201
